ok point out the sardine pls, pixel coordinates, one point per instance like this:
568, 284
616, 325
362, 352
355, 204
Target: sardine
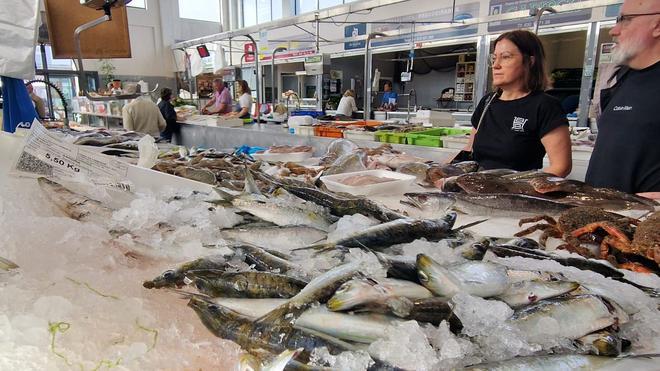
528, 292
573, 362
273, 337
200, 175
263, 260
360, 293
361, 328
98, 141
249, 285
474, 278
391, 233
212, 264
277, 238
339, 205
491, 205
75, 206
571, 318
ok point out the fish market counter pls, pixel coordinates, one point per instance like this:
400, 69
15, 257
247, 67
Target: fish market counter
265, 135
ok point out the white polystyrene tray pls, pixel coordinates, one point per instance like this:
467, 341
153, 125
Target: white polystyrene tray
283, 157
398, 186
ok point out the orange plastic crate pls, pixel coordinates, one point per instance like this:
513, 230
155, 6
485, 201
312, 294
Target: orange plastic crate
328, 132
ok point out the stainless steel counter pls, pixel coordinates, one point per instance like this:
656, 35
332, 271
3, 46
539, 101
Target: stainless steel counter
264, 135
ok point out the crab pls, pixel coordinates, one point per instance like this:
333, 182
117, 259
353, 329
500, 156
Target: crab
645, 241
575, 219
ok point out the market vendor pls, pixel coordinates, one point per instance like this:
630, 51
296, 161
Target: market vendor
389, 97
514, 127
626, 155
244, 101
220, 102
37, 102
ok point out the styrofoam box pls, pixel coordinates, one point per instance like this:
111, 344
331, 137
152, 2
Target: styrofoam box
307, 131
282, 157
359, 135
398, 186
455, 141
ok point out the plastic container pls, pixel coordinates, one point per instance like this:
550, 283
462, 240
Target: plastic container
388, 136
307, 113
282, 157
360, 135
433, 137
399, 185
328, 131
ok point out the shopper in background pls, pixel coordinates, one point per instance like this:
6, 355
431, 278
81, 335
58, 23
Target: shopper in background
389, 97
37, 102
220, 103
347, 104
167, 110
627, 155
142, 115
515, 126
244, 101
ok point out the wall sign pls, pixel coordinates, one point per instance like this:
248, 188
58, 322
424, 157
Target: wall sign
508, 6
353, 31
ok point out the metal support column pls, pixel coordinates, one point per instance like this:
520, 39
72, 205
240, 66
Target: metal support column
482, 71
256, 67
588, 73
44, 66
319, 78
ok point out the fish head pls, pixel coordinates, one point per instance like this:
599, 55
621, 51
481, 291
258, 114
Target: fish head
450, 219
209, 313
351, 294
248, 362
169, 278
424, 267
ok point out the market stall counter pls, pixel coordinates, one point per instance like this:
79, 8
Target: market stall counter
264, 135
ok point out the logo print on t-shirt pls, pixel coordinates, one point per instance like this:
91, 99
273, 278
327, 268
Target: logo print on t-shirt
519, 124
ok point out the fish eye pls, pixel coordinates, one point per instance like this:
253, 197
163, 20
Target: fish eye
214, 308
423, 277
168, 274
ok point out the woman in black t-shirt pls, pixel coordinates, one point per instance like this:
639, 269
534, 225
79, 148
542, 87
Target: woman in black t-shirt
515, 126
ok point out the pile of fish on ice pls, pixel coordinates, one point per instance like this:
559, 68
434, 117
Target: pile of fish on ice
308, 279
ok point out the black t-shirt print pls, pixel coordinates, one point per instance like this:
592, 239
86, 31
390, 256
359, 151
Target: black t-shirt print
627, 153
510, 135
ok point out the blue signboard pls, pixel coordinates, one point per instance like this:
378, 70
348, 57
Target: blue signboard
509, 6
463, 12
353, 31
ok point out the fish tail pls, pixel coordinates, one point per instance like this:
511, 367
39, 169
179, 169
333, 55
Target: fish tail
226, 196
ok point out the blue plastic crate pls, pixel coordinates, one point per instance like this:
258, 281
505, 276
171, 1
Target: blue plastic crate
307, 113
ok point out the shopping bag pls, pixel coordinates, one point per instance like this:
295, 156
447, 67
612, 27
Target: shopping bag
18, 110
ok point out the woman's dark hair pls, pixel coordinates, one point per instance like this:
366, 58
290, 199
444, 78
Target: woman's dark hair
166, 94
388, 82
244, 86
530, 46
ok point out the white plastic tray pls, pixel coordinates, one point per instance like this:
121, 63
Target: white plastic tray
398, 186
283, 157
360, 135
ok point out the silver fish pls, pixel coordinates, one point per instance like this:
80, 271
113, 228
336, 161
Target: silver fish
528, 292
490, 205
475, 278
359, 293
74, 205
573, 317
391, 233
277, 238
362, 328
248, 362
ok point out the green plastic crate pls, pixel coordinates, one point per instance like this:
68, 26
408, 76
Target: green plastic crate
432, 137
388, 136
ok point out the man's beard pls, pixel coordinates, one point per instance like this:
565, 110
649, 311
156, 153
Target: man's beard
623, 53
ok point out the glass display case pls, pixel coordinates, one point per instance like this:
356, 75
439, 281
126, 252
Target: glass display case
98, 113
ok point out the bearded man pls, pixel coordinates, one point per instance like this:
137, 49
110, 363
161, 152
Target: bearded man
627, 152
